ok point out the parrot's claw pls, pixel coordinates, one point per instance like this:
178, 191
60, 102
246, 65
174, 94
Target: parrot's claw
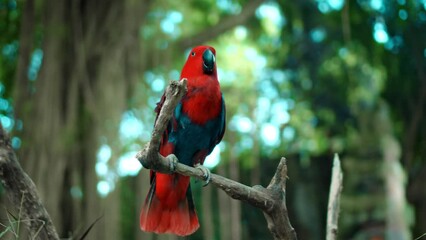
173, 162
206, 173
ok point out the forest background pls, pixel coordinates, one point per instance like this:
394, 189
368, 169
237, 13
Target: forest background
303, 79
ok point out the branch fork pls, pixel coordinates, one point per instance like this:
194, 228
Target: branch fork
270, 200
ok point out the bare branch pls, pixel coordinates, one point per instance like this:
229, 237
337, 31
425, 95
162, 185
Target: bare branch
149, 156
22, 192
270, 200
334, 199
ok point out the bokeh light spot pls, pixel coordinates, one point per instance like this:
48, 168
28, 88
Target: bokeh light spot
403, 14
380, 34
128, 165
213, 159
103, 188
104, 153
269, 134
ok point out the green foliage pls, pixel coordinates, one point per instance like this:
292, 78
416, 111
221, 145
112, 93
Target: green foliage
304, 79
9, 27
304, 86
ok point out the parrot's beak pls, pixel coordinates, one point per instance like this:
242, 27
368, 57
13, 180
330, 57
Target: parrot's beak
208, 61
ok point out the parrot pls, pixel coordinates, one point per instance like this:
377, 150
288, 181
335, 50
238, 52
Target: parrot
196, 127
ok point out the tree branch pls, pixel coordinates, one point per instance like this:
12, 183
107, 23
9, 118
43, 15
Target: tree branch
270, 200
22, 192
334, 199
222, 26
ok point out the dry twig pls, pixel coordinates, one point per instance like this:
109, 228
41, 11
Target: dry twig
334, 199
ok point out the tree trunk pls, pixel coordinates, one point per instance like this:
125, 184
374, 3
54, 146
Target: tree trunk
207, 220
88, 69
26, 34
111, 215
397, 226
142, 188
234, 173
224, 208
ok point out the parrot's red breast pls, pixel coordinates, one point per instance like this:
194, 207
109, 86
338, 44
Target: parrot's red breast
198, 124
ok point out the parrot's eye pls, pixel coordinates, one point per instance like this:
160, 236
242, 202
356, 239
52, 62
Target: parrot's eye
193, 54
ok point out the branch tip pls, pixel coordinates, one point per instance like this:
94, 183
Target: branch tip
280, 176
334, 199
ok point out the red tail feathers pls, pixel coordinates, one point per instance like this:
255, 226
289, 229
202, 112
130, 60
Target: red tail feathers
168, 210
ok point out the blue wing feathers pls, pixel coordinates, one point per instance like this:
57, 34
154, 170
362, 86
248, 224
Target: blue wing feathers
189, 138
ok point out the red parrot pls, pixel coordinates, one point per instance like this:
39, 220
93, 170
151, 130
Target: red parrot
197, 125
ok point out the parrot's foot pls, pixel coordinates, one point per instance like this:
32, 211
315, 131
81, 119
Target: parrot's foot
206, 173
173, 161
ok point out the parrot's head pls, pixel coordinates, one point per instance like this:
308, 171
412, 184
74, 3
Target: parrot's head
201, 60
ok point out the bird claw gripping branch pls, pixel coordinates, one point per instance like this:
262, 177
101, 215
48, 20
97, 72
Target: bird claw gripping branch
173, 161
206, 173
